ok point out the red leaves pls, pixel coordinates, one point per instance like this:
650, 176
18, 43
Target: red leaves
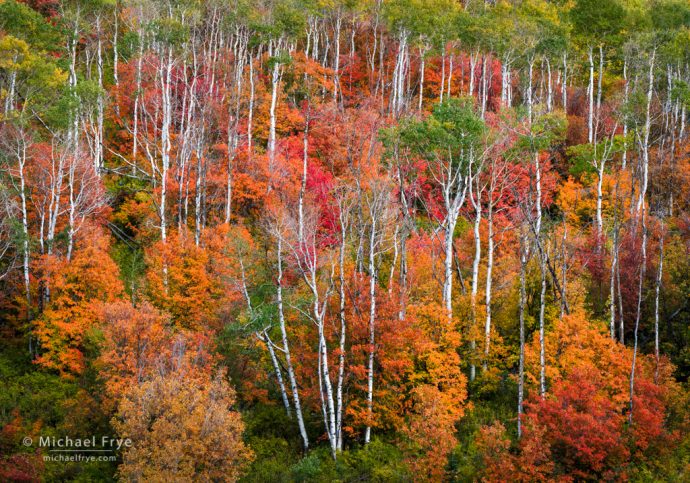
583, 426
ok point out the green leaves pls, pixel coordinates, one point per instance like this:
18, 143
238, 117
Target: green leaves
22, 22
597, 21
585, 157
450, 133
544, 132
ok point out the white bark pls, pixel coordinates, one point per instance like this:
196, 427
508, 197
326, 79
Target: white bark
286, 346
657, 290
590, 96
373, 274
522, 303
489, 275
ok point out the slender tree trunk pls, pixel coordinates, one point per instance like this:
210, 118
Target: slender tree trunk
528, 94
564, 83
372, 324
542, 297
641, 213
421, 78
542, 348
286, 347
657, 290
275, 81
477, 203
590, 95
343, 328
489, 274
523, 301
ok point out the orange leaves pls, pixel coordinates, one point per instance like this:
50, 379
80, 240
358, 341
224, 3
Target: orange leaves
134, 338
583, 417
431, 430
186, 281
76, 290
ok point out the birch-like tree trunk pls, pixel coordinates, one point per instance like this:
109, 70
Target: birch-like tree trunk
286, 347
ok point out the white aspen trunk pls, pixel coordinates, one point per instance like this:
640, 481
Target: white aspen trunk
528, 94
275, 81
505, 79
266, 339
450, 72
489, 273
443, 74
542, 297
645, 142
453, 203
643, 271
473, 66
343, 334
116, 79
657, 290
279, 375
165, 80
372, 325
421, 78
549, 90
198, 188
485, 93
621, 321
626, 88
55, 197
137, 96
336, 67
72, 209
21, 161
542, 349
523, 301
641, 212
475, 198
564, 83
397, 93
590, 96
612, 281
601, 76
250, 114
303, 183
600, 196
98, 155
233, 122
329, 410
448, 266
286, 346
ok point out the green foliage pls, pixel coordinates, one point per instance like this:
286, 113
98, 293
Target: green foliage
170, 31
20, 21
379, 461
598, 21
670, 14
452, 133
585, 157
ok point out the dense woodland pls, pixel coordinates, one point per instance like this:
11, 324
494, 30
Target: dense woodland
346, 240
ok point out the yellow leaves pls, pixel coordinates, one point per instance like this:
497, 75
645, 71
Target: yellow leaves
574, 202
13, 53
16, 57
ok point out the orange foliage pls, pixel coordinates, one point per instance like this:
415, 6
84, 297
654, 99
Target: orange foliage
76, 291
